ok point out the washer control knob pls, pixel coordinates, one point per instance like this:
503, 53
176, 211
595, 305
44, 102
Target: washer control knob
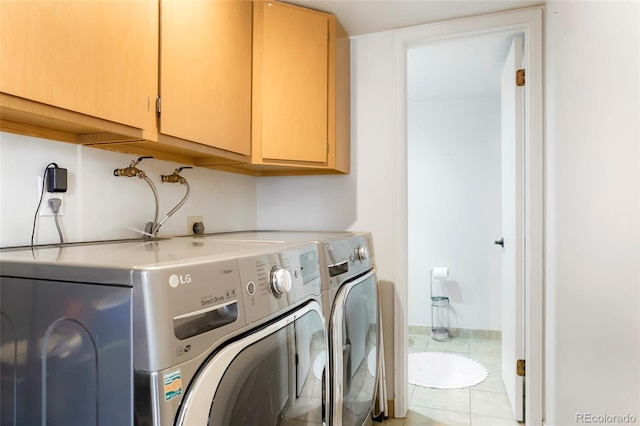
281, 280
360, 253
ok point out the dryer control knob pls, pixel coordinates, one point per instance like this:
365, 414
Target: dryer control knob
281, 281
360, 253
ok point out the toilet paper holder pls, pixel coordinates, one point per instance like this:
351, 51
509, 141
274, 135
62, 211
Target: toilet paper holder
439, 307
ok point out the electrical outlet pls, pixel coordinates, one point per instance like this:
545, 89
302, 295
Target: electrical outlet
190, 221
45, 209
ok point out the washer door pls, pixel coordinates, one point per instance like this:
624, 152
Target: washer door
272, 375
354, 332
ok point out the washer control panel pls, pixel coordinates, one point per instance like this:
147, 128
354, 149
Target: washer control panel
274, 282
347, 258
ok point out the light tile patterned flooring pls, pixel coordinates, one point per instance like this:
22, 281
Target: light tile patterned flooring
483, 404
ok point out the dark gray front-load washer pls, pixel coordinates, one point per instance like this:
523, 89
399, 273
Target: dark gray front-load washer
170, 332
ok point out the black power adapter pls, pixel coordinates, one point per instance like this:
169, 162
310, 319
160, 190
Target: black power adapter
56, 179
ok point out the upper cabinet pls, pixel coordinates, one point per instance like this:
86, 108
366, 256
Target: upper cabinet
300, 90
205, 73
89, 57
251, 87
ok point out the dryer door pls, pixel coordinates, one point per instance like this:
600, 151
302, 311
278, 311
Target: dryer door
271, 375
353, 337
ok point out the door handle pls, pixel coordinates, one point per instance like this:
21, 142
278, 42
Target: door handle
500, 242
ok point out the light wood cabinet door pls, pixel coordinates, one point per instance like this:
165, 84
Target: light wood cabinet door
205, 72
291, 48
97, 58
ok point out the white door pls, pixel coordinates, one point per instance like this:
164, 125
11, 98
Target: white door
512, 229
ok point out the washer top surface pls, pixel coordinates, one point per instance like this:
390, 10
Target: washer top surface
134, 254
116, 260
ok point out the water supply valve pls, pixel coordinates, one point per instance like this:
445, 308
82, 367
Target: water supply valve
175, 176
132, 170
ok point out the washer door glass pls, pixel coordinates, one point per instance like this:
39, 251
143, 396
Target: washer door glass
272, 376
354, 339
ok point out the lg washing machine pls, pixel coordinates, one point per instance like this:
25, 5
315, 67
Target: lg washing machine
184, 332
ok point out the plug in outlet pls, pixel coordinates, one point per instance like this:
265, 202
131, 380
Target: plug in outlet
45, 209
191, 220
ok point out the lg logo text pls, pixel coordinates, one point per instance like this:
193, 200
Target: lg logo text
176, 280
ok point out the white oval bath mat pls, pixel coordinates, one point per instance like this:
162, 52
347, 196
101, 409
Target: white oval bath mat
444, 370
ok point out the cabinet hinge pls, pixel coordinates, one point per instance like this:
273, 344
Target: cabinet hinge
520, 77
327, 142
520, 367
158, 106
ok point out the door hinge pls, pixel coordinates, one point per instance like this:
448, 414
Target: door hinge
520, 77
520, 367
158, 106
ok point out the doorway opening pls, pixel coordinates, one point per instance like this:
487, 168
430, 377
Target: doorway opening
455, 222
467, 130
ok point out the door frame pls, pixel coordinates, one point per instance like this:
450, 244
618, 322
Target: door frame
527, 21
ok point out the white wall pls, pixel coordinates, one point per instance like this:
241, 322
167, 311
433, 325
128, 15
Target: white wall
454, 213
593, 212
100, 206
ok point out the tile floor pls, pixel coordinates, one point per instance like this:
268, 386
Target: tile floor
483, 404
